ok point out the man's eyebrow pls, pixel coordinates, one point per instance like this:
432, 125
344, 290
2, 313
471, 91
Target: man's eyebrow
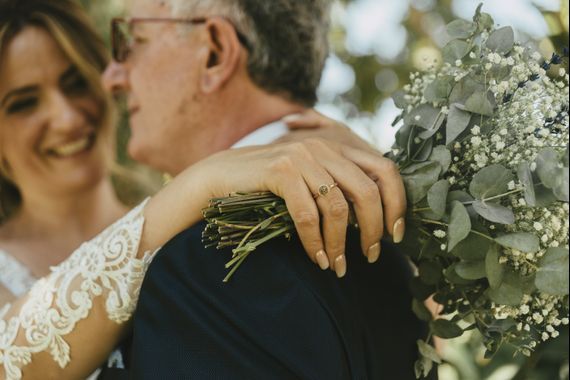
17, 92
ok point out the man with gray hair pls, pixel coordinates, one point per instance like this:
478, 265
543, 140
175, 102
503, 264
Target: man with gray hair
206, 75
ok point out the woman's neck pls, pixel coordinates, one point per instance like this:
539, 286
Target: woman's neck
71, 217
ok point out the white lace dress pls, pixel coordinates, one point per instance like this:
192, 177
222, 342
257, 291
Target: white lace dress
106, 266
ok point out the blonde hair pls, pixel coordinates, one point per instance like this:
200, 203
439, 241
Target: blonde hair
70, 27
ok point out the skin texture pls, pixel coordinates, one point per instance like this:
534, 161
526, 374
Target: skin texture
190, 97
66, 199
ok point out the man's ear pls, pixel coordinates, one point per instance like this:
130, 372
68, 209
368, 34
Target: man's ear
223, 56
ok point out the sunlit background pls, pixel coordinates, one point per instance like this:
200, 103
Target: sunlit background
376, 44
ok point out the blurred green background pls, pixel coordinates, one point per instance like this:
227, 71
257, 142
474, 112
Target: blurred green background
376, 44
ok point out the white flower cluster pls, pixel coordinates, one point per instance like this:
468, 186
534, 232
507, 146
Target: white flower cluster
532, 115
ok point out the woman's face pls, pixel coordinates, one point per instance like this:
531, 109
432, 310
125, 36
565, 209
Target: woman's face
49, 118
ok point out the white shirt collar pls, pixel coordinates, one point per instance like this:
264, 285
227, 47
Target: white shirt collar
263, 135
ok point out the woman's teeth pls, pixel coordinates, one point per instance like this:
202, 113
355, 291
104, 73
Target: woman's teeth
72, 148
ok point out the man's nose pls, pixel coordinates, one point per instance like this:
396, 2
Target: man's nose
114, 78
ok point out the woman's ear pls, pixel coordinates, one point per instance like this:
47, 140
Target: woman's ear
223, 55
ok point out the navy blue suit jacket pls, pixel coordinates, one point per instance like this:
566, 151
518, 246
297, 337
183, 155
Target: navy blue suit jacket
279, 317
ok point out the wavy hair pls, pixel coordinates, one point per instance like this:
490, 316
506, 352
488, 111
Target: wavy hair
70, 27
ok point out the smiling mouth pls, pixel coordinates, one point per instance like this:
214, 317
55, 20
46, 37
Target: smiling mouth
73, 148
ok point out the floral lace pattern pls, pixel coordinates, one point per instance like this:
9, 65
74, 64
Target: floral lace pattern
106, 266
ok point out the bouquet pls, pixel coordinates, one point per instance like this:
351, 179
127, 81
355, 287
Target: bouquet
483, 152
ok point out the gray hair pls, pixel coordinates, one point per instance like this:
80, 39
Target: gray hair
288, 40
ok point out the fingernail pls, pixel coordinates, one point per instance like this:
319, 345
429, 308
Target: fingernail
373, 253
399, 230
291, 118
340, 266
322, 260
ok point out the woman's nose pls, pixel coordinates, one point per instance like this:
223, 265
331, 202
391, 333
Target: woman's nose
66, 114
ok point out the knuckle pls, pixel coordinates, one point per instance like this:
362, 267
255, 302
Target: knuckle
282, 164
368, 193
315, 142
306, 219
338, 208
298, 149
391, 168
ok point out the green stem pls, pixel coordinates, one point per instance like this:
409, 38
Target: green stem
447, 225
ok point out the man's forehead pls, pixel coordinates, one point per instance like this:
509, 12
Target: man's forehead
148, 8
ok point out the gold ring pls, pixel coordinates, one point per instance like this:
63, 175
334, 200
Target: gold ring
324, 190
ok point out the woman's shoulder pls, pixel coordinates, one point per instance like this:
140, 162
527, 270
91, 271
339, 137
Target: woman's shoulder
14, 276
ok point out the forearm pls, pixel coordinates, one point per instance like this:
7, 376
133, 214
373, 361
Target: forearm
82, 305
176, 207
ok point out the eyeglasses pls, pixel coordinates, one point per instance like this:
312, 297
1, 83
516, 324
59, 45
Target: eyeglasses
122, 39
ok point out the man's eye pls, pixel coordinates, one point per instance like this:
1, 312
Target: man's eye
22, 105
139, 40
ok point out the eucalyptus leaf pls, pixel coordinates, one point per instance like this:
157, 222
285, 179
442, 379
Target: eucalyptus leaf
486, 21
464, 89
483, 20
453, 277
552, 274
522, 241
437, 197
445, 329
457, 122
422, 367
525, 177
509, 292
421, 311
473, 248
471, 270
547, 167
544, 196
428, 351
424, 115
442, 155
424, 152
399, 99
501, 40
439, 89
495, 270
461, 28
561, 188
459, 195
459, 225
480, 103
419, 182
416, 167
494, 212
438, 122
490, 181
454, 50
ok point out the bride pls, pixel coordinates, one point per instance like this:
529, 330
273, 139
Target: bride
65, 307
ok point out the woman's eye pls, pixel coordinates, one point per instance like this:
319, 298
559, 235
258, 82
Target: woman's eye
22, 105
76, 85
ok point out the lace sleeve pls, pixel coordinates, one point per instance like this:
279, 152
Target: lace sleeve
107, 266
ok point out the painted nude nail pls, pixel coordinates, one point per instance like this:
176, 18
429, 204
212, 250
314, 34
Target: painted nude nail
340, 266
399, 230
322, 259
373, 253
